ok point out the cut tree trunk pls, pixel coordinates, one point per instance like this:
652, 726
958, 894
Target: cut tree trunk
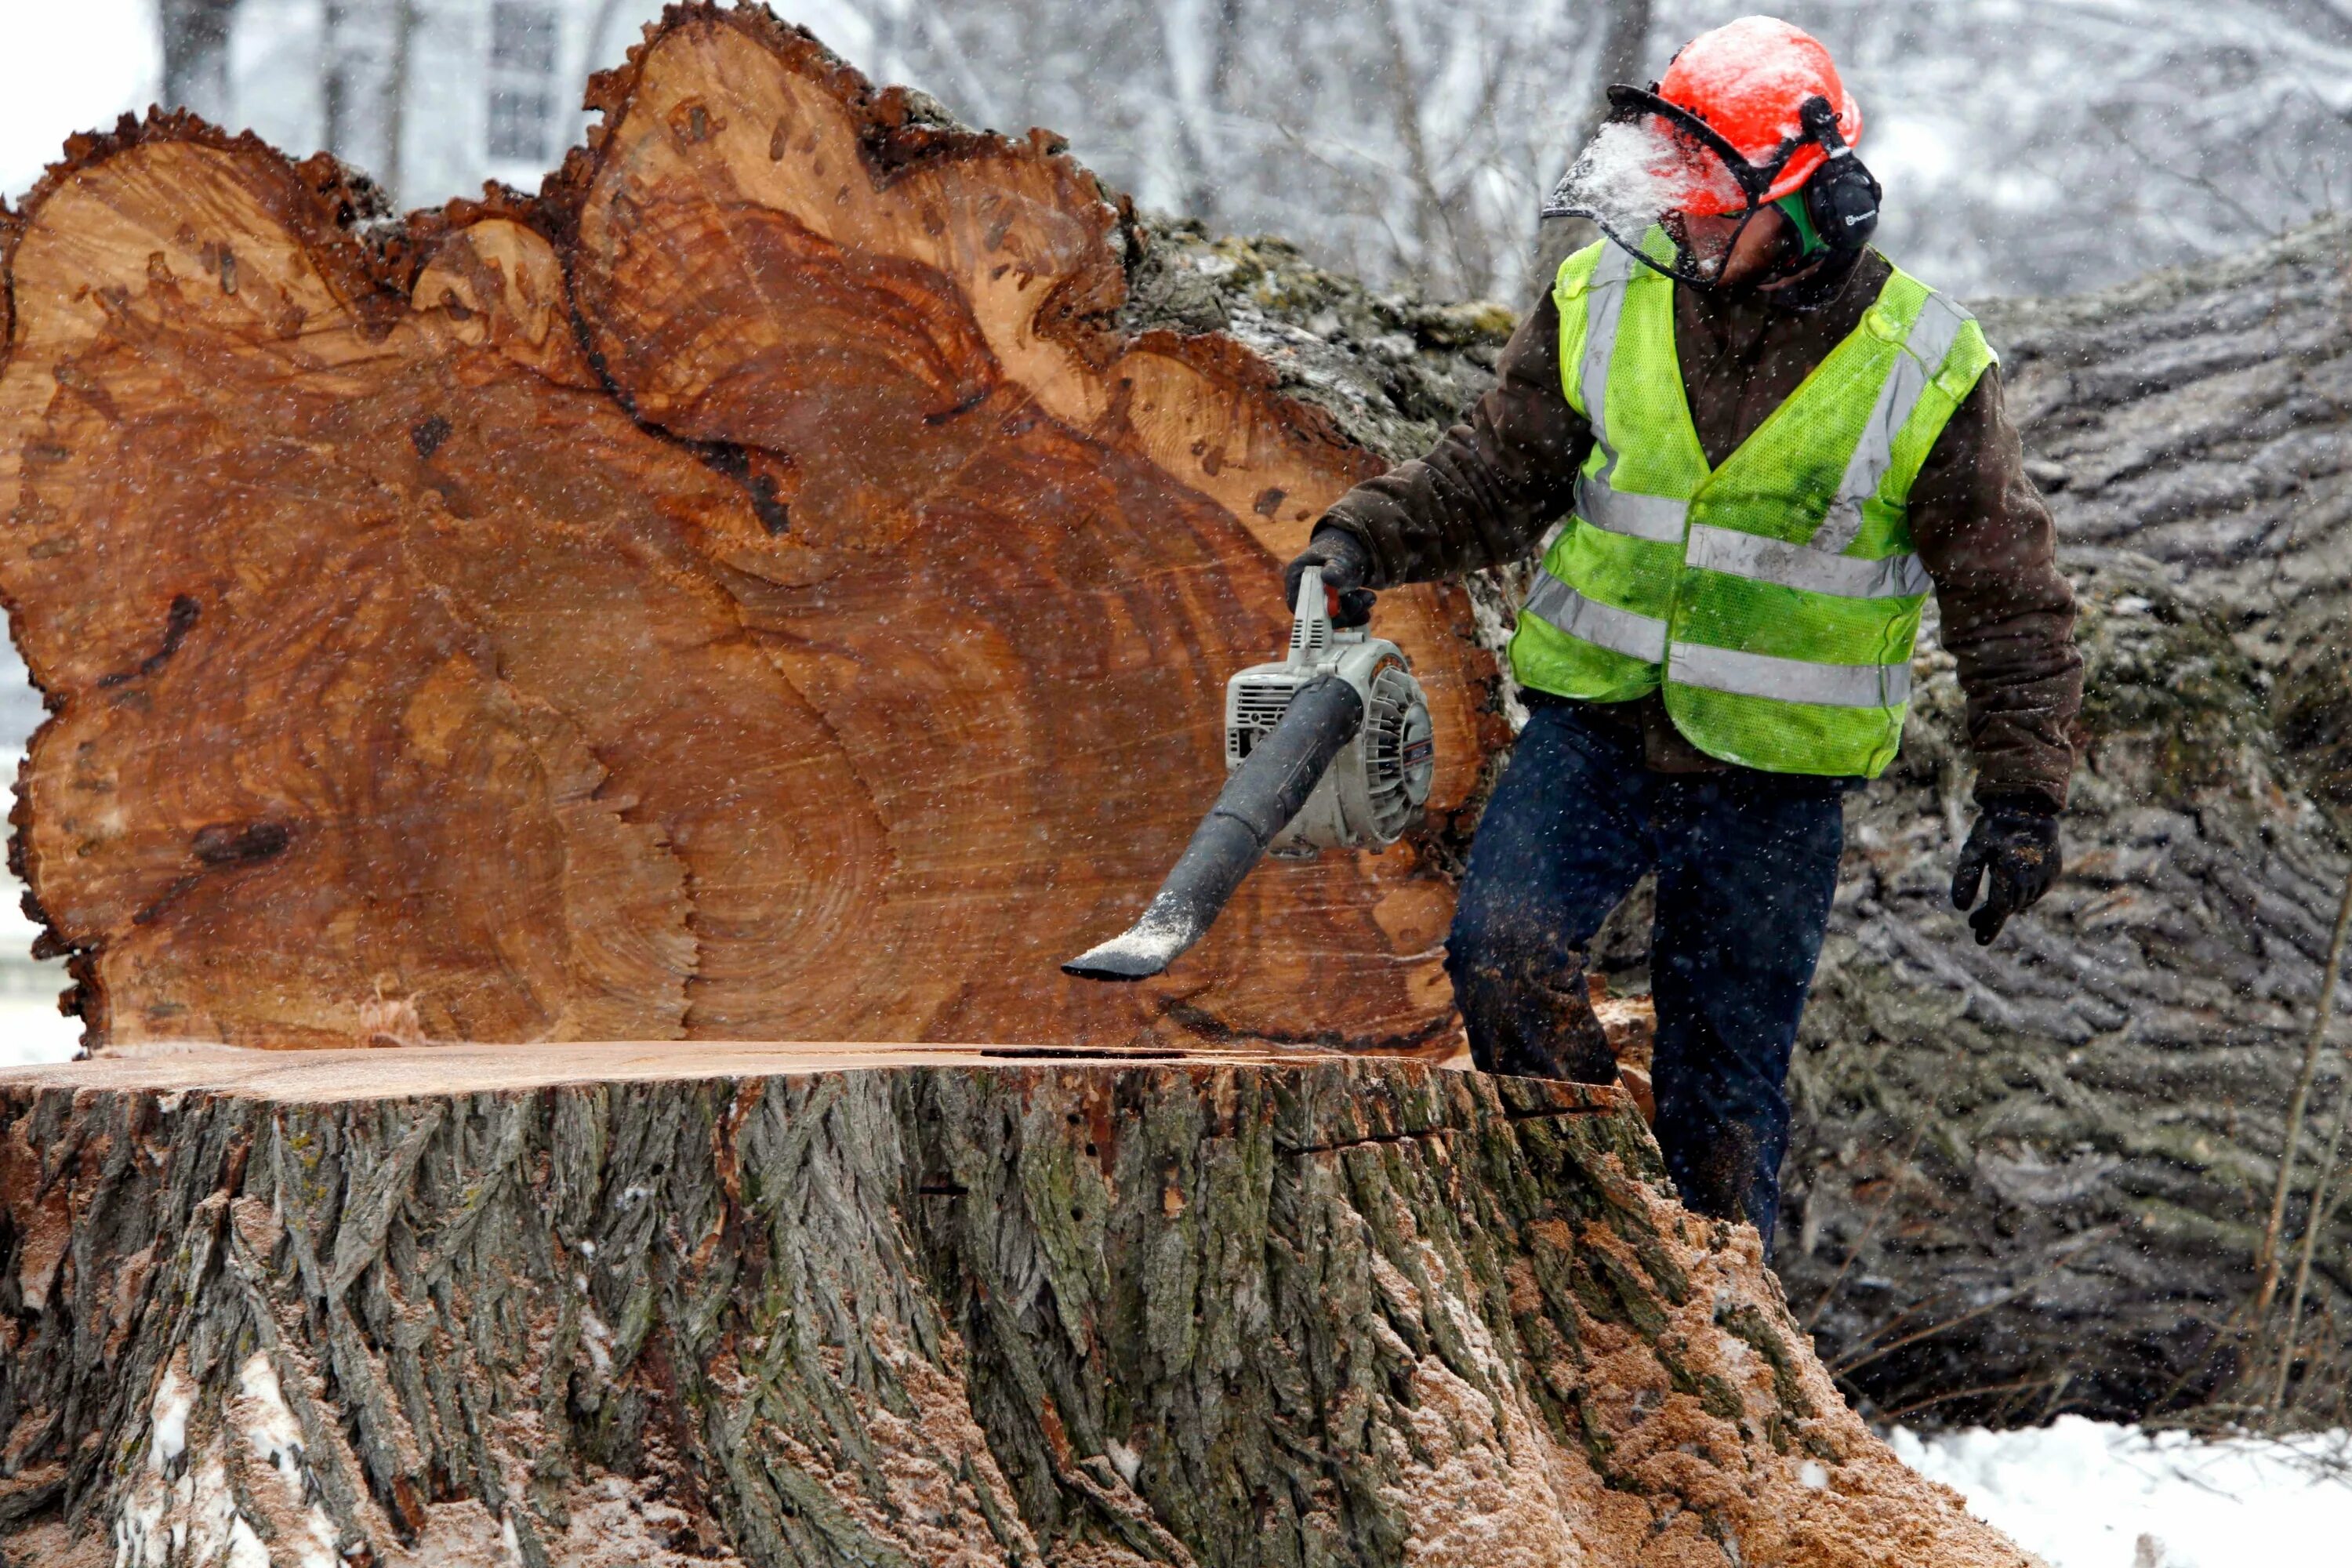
596, 1305
760, 588
778, 582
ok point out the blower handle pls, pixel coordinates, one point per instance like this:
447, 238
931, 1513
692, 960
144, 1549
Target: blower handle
1258, 802
1311, 619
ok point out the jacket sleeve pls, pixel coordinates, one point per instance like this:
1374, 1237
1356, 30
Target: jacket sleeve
1985, 536
1489, 488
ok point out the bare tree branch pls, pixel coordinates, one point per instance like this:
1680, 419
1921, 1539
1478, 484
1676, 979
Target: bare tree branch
2300, 1102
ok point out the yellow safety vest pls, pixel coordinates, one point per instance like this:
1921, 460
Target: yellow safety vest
1774, 600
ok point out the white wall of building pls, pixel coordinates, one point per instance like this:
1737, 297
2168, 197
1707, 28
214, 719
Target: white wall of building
493, 86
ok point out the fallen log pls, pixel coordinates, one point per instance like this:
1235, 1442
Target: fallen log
761, 587
2035, 1178
2040, 1172
2043, 1170
604, 1305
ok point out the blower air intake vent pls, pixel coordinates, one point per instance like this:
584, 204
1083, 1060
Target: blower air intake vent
1400, 752
1257, 707
1262, 707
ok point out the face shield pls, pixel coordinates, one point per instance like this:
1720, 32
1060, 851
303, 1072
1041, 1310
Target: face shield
1666, 186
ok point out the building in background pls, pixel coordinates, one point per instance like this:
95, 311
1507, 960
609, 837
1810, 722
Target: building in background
431, 97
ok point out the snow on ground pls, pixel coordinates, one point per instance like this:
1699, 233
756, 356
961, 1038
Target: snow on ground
2085, 1494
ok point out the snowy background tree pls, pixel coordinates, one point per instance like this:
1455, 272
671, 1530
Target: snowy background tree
2042, 148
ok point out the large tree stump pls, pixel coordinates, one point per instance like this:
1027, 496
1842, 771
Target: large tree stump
598, 1306
760, 588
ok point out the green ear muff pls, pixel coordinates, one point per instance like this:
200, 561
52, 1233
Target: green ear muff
1793, 206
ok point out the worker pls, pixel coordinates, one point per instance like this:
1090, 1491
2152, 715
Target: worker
1769, 443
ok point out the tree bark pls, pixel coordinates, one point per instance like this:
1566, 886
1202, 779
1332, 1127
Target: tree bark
591, 1306
2049, 1164
2036, 1176
763, 587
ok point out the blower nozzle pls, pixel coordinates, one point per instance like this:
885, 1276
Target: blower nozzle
1261, 797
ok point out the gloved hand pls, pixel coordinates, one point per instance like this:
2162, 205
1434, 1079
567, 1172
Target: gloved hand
1346, 563
2014, 845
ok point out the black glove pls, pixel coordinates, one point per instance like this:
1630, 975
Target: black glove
1346, 563
2015, 846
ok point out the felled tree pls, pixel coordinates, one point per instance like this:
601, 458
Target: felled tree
759, 588
2037, 1176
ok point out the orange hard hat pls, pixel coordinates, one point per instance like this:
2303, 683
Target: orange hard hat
1750, 81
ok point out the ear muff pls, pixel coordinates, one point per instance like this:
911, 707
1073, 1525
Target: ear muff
1842, 198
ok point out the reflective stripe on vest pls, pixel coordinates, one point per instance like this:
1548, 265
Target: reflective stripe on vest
1599, 502
1816, 567
1791, 680
1741, 599
1634, 516
1720, 668
1605, 307
1805, 567
1923, 347
1606, 626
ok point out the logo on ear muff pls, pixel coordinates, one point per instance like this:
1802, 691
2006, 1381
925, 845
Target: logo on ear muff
1842, 197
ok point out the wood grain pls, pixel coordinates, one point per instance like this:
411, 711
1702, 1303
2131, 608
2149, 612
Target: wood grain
756, 589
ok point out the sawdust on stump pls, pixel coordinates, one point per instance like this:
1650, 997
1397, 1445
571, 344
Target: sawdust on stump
1070, 1311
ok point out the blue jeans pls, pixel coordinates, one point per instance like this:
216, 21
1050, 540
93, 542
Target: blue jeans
1747, 863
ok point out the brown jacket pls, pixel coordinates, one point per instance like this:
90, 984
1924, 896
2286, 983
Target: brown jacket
1488, 492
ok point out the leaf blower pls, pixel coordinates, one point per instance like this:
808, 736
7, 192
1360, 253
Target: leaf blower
1328, 748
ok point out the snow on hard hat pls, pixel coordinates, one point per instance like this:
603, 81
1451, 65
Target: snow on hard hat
1750, 81
1677, 171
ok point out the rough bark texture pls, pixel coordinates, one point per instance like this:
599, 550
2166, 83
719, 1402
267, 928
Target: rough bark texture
2048, 1164
2042, 1170
762, 587
490, 1306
